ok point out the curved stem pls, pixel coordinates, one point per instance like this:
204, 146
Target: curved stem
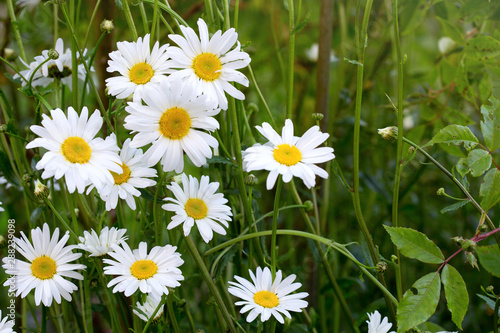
130, 20
291, 55
17, 33
275, 225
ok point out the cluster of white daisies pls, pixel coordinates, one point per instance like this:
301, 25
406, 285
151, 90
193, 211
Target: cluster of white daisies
174, 95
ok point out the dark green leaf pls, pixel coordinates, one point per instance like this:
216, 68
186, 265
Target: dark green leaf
455, 134
490, 126
494, 74
489, 257
416, 245
148, 195
7, 171
490, 189
220, 160
302, 24
455, 206
451, 31
36, 213
456, 294
414, 309
478, 161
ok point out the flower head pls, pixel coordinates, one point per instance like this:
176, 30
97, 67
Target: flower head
132, 177
139, 67
73, 151
198, 203
376, 324
99, 245
151, 273
6, 324
209, 64
148, 308
266, 297
174, 119
289, 155
49, 263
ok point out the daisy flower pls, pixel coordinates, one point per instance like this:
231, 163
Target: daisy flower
209, 64
173, 120
376, 324
73, 150
30, 4
99, 245
6, 324
49, 262
289, 155
148, 308
125, 184
60, 68
198, 203
266, 297
151, 273
139, 68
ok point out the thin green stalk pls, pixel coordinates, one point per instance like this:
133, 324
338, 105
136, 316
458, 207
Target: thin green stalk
61, 219
495, 315
15, 27
210, 282
91, 25
155, 21
227, 20
177, 18
291, 56
130, 20
236, 12
276, 42
44, 319
56, 23
254, 82
460, 186
144, 19
171, 315
275, 224
399, 157
328, 242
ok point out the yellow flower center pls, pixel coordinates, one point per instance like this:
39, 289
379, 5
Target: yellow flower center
287, 154
196, 208
266, 299
122, 177
43, 268
175, 123
143, 269
141, 73
76, 150
206, 65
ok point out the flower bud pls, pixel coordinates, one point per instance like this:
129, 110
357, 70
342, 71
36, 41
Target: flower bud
394, 258
389, 133
26, 178
381, 267
458, 240
107, 26
308, 205
41, 191
177, 179
318, 116
9, 54
3, 128
53, 54
469, 246
440, 191
251, 180
490, 289
483, 228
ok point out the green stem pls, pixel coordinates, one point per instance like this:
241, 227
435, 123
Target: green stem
155, 21
291, 55
130, 20
144, 19
94, 12
399, 157
328, 242
169, 10
495, 315
15, 27
61, 219
210, 282
44, 319
254, 82
460, 186
275, 225
171, 315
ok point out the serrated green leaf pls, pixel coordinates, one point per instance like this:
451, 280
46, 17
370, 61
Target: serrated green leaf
482, 48
220, 160
456, 294
478, 161
455, 206
489, 257
451, 31
415, 245
490, 126
490, 189
455, 134
414, 309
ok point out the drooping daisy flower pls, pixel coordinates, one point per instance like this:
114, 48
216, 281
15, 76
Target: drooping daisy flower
49, 263
198, 203
73, 150
289, 155
126, 182
60, 68
6, 324
99, 245
376, 324
266, 297
209, 64
139, 67
173, 120
151, 273
148, 308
